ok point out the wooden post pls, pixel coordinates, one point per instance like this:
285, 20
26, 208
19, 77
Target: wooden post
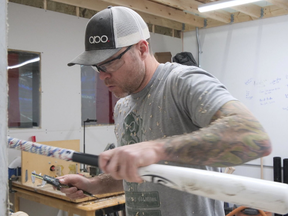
16, 202
45, 4
77, 12
261, 168
3, 110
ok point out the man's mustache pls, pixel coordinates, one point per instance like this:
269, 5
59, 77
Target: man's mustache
107, 83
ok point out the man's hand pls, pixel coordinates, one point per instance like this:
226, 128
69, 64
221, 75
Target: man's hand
78, 183
96, 185
123, 162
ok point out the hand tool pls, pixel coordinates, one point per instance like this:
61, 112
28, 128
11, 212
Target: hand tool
56, 183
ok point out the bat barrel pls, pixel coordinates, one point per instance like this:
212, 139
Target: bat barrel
256, 193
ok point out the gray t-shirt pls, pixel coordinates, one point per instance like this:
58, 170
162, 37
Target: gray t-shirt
178, 99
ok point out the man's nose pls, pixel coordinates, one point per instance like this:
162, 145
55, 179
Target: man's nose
104, 75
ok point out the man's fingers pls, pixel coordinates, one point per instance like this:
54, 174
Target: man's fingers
68, 191
114, 167
73, 193
120, 164
104, 160
133, 172
77, 195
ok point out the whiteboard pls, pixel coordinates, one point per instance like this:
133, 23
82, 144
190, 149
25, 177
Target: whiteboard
251, 60
266, 95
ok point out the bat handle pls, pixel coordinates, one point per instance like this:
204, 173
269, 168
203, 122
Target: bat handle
84, 158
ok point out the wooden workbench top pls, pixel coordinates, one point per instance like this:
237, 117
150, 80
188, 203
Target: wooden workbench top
49, 191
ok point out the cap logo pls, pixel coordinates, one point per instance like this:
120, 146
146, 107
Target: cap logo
98, 39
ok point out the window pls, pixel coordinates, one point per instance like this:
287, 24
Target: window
97, 102
24, 89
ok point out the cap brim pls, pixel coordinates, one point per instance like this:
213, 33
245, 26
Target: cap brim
93, 57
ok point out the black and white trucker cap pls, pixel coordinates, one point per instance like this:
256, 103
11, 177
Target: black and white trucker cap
108, 31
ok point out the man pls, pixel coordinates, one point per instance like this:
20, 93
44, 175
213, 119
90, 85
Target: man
168, 113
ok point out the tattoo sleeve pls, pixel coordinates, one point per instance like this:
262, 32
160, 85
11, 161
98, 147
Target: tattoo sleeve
233, 138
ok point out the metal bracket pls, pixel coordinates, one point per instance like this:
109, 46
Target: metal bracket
205, 23
262, 13
232, 18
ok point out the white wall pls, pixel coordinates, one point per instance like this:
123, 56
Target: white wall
3, 108
251, 51
59, 38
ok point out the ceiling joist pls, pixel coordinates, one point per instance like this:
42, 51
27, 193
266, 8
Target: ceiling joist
162, 11
181, 15
98, 5
251, 10
279, 3
192, 6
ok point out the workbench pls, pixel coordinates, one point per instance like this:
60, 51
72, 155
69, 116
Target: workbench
88, 206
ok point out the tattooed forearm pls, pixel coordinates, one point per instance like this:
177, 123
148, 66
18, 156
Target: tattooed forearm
233, 138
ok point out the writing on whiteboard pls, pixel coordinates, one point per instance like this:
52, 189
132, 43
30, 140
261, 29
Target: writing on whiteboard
268, 91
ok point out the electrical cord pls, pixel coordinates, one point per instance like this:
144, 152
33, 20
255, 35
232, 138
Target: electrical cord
240, 208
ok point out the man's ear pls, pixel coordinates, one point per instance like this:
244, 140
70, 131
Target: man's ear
143, 48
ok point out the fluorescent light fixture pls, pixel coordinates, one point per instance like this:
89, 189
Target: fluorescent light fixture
24, 63
223, 4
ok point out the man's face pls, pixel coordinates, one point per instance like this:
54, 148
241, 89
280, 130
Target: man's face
127, 79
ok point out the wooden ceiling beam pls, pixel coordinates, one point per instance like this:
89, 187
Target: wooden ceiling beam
269, 11
279, 3
161, 10
98, 5
192, 6
249, 9
273, 10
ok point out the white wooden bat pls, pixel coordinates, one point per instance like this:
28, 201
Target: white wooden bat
251, 192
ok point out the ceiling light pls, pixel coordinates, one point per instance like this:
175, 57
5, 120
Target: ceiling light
223, 4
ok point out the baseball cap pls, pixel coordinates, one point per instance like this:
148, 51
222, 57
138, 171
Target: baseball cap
108, 31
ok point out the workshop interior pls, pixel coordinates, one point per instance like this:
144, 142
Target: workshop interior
45, 102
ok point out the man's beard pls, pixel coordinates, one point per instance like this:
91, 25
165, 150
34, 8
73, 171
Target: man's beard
138, 76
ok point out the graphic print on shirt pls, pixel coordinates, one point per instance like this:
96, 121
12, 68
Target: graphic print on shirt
138, 202
133, 129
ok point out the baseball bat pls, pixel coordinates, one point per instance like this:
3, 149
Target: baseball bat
255, 193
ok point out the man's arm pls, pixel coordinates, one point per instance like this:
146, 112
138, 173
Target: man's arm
104, 183
234, 137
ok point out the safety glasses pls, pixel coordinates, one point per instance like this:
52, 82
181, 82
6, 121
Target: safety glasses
111, 65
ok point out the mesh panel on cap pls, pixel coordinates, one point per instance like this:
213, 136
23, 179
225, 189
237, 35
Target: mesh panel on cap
129, 27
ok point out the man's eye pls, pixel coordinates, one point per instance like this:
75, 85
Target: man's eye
107, 64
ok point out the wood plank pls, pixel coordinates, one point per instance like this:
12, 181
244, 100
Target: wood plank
249, 9
221, 16
162, 11
159, 21
41, 164
192, 6
273, 10
98, 5
16, 202
279, 3
269, 11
